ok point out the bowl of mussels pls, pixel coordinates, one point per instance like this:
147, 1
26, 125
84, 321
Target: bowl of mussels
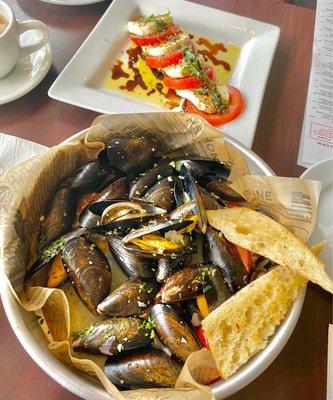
127, 235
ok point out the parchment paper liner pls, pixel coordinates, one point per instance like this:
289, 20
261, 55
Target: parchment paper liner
26, 189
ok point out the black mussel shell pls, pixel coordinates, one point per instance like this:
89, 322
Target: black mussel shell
88, 178
215, 289
173, 331
60, 216
192, 312
182, 211
130, 263
221, 253
142, 369
193, 192
112, 336
91, 215
157, 226
148, 178
129, 299
184, 284
114, 191
88, 270
161, 194
166, 267
131, 154
49, 252
223, 190
211, 201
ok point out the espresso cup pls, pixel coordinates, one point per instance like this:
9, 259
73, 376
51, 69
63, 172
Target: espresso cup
10, 49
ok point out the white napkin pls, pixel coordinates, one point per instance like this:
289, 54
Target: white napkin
14, 150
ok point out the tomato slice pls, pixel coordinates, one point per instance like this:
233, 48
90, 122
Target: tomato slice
164, 61
154, 39
235, 107
246, 257
188, 82
201, 336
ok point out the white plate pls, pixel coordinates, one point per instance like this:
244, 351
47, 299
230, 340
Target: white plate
80, 83
323, 171
28, 72
72, 2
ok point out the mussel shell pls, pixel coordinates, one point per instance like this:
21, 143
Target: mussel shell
142, 369
166, 267
192, 312
52, 250
182, 211
184, 284
193, 192
173, 331
112, 336
130, 263
215, 289
88, 270
211, 201
144, 181
161, 194
91, 215
203, 169
158, 226
129, 299
88, 178
131, 154
221, 253
61, 215
223, 190
115, 190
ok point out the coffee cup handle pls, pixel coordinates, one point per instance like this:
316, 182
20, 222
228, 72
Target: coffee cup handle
24, 26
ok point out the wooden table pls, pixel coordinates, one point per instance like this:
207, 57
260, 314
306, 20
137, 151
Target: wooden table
299, 372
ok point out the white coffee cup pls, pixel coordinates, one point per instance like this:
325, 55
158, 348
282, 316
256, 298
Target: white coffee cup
10, 49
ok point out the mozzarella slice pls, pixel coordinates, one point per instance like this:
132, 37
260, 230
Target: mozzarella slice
204, 101
179, 70
142, 27
169, 46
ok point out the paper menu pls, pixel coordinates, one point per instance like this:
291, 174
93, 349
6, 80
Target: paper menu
317, 131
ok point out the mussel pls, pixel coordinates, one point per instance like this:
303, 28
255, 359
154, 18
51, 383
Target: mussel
117, 189
184, 284
161, 194
147, 179
142, 369
129, 299
131, 154
130, 263
60, 216
215, 289
221, 253
173, 331
112, 336
89, 177
192, 312
88, 270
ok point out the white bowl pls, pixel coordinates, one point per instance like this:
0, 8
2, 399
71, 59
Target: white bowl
28, 331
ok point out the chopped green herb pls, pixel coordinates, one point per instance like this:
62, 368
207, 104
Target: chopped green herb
84, 333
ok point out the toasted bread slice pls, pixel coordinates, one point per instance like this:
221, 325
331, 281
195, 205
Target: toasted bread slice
264, 236
240, 327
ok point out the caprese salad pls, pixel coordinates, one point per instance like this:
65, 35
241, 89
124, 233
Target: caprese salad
166, 47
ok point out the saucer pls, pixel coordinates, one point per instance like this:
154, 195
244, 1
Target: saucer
323, 171
28, 71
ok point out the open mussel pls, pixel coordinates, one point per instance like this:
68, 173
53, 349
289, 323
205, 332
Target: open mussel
149, 241
142, 369
118, 216
174, 333
184, 284
60, 216
161, 169
221, 253
112, 336
130, 263
129, 299
131, 154
88, 270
